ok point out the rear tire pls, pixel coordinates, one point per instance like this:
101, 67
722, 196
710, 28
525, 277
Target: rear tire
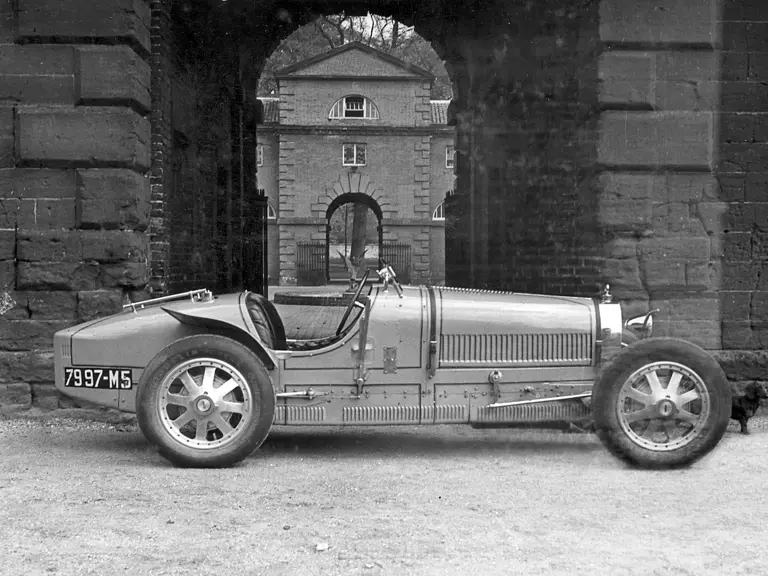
205, 401
661, 403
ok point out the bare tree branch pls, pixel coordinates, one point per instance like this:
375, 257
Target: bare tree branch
319, 27
383, 33
395, 29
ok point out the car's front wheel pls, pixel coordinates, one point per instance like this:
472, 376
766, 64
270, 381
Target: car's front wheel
661, 403
205, 401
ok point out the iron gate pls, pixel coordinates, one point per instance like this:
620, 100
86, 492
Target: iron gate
311, 263
398, 256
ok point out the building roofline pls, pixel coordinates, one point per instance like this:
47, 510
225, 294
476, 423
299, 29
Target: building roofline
289, 70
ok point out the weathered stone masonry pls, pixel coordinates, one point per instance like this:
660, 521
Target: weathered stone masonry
683, 195
742, 174
74, 155
599, 140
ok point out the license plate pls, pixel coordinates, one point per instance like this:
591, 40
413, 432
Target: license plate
99, 378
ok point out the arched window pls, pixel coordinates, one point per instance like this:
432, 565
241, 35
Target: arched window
439, 212
271, 214
354, 107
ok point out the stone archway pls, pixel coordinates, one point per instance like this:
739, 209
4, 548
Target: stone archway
310, 235
361, 251
525, 108
352, 187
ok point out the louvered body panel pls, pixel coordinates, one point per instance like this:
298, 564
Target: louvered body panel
304, 414
445, 414
470, 350
382, 414
547, 412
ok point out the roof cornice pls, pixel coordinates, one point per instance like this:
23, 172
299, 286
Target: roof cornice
289, 70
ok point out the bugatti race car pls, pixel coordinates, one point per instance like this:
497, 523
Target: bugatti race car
208, 376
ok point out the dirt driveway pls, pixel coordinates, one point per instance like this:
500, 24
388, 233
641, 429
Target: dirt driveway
93, 498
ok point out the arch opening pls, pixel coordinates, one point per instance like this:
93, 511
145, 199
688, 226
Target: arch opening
524, 96
359, 134
354, 236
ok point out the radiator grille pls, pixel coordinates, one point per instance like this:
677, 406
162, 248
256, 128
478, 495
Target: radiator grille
66, 351
390, 414
515, 349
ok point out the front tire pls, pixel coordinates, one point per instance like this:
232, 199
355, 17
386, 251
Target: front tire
661, 403
205, 401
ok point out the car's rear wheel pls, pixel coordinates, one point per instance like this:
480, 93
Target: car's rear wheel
205, 401
661, 403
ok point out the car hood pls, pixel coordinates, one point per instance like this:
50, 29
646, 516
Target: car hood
479, 328
487, 312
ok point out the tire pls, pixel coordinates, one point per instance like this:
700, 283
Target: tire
647, 425
179, 402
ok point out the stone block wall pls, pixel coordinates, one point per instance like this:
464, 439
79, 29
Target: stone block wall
74, 191
742, 174
683, 197
659, 199
526, 111
742, 177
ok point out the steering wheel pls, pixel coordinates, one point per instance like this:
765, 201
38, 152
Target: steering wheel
348, 311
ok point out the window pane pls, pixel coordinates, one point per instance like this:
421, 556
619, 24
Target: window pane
354, 103
349, 153
353, 107
449, 154
360, 154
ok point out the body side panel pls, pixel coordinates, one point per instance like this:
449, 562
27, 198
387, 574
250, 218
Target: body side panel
395, 373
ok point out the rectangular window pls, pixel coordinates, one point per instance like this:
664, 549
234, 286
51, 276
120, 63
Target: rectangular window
353, 155
260, 155
353, 107
449, 156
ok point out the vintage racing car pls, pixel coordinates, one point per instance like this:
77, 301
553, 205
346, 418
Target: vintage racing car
208, 376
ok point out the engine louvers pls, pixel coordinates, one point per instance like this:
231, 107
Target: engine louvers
467, 350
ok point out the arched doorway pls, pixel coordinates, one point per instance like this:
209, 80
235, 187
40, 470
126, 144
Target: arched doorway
353, 236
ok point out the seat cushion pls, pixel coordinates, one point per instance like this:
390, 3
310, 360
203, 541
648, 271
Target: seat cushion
266, 319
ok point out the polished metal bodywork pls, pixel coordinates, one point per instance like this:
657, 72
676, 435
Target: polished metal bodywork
426, 356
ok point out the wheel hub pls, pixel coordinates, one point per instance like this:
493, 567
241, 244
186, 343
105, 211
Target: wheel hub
204, 405
666, 409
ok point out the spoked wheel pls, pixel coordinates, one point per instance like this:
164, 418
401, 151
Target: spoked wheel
205, 401
661, 403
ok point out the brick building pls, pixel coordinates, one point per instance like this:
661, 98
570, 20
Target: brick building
355, 125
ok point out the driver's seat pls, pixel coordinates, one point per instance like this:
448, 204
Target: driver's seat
262, 312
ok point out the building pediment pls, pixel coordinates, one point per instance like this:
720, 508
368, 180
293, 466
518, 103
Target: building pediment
354, 60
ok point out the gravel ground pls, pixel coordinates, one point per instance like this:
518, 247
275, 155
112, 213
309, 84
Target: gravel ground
90, 496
